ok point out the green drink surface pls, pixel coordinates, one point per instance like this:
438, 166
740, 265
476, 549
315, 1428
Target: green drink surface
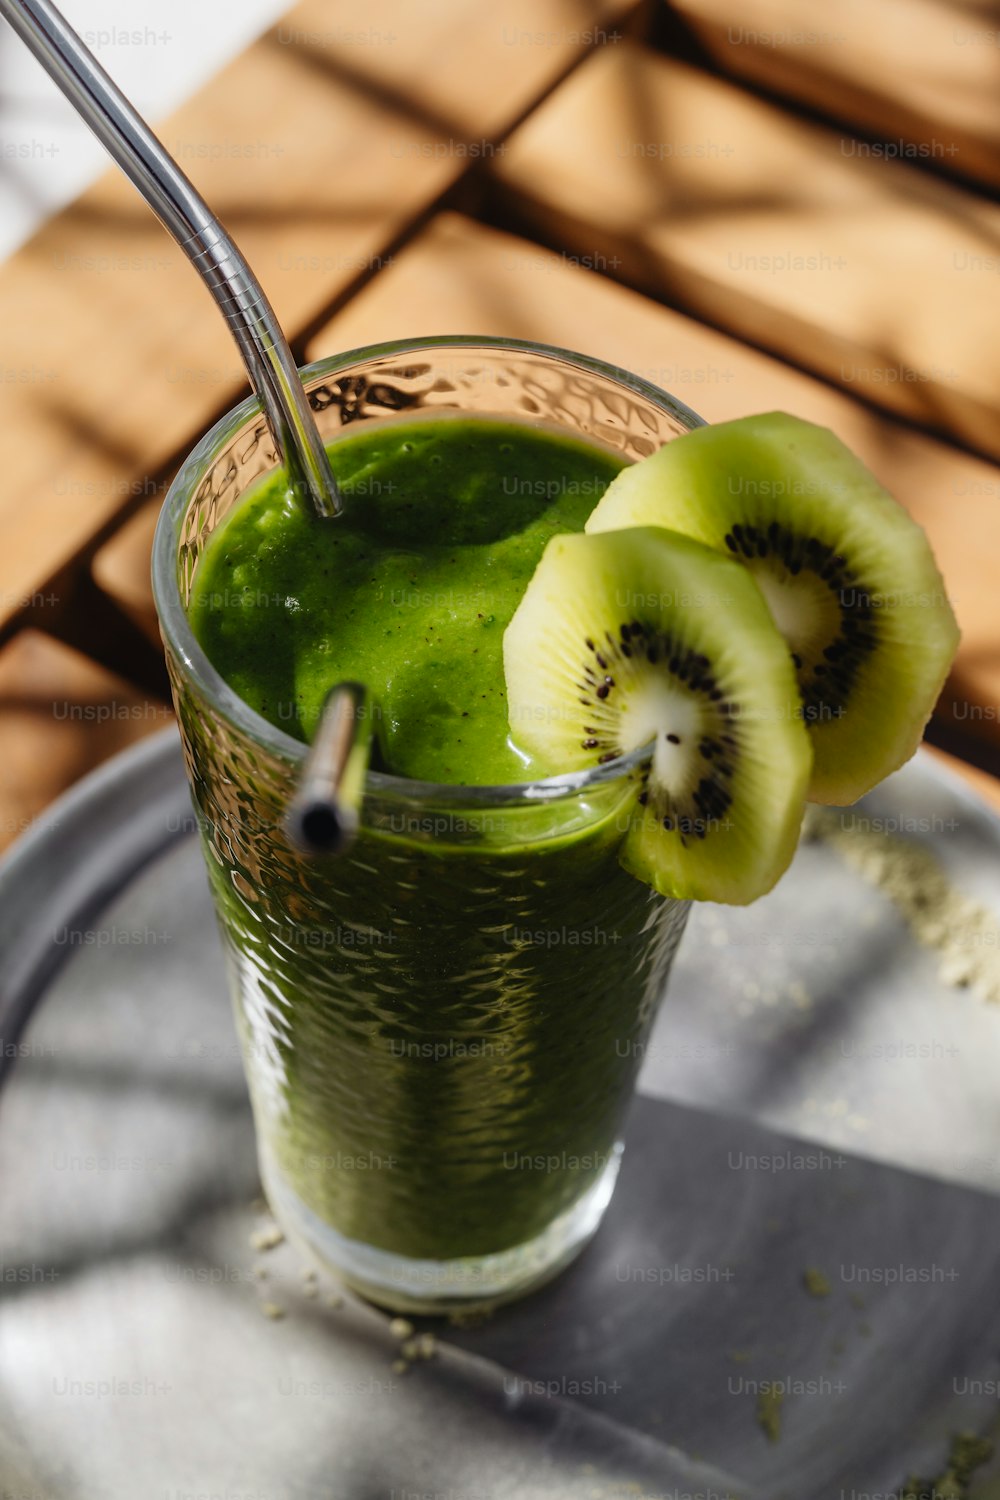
409, 591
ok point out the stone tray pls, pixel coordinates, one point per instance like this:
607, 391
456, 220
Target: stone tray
814, 1098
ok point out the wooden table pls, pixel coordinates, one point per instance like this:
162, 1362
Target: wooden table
750, 207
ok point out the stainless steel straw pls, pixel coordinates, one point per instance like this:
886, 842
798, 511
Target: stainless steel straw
323, 816
185, 215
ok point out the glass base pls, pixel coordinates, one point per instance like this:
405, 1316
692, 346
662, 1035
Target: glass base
442, 1286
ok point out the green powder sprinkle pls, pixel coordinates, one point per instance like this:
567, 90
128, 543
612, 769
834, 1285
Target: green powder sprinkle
266, 1239
962, 932
968, 1453
769, 1412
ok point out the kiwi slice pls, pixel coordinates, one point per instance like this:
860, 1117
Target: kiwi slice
849, 578
644, 637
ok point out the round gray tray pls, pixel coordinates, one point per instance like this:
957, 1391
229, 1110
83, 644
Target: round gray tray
813, 1097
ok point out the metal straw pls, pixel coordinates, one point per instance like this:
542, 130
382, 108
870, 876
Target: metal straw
323, 816
185, 215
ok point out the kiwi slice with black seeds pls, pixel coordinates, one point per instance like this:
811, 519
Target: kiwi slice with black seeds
644, 637
848, 576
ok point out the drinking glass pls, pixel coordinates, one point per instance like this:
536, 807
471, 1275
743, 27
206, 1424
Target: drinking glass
441, 1027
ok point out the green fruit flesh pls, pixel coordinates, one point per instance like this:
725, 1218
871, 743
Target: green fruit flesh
644, 637
849, 578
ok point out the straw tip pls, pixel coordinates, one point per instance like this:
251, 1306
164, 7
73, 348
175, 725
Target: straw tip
321, 827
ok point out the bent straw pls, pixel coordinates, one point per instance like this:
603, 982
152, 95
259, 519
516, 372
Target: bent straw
323, 816
186, 216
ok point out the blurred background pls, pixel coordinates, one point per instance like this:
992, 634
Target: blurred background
755, 205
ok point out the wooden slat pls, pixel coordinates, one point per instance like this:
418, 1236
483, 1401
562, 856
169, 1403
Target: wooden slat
461, 278
121, 568
869, 272
60, 716
318, 146
925, 72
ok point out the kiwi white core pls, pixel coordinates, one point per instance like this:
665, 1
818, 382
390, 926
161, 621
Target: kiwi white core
658, 712
801, 607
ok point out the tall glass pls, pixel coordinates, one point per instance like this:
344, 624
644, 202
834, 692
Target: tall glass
441, 1028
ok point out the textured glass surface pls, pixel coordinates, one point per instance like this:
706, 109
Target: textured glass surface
441, 1028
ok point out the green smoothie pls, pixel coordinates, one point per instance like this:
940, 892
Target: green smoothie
410, 591
443, 1026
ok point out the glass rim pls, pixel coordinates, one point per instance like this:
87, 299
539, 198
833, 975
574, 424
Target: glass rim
180, 639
